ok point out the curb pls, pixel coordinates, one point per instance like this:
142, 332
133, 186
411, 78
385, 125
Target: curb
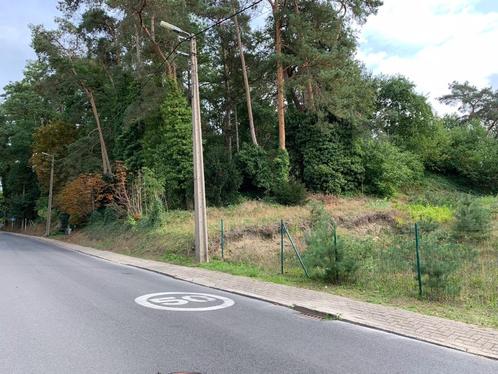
317, 312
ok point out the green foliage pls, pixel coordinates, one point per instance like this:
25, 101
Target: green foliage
153, 189
334, 262
472, 155
167, 147
255, 166
154, 217
281, 167
473, 220
129, 146
439, 214
324, 154
407, 119
439, 264
42, 207
223, 179
387, 168
96, 217
110, 214
474, 104
290, 193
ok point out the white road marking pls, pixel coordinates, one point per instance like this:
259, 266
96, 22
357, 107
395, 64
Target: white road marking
196, 301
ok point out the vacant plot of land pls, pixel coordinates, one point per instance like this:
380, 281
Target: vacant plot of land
380, 231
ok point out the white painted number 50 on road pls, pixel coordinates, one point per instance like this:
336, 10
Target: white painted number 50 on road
184, 301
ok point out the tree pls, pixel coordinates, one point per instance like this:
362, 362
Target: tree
52, 138
167, 146
246, 78
277, 8
83, 72
23, 109
474, 104
79, 197
406, 117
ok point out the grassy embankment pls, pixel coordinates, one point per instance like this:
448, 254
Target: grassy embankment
252, 247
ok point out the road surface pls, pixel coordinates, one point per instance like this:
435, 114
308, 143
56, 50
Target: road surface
66, 312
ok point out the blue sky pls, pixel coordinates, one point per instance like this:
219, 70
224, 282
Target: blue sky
432, 42
15, 36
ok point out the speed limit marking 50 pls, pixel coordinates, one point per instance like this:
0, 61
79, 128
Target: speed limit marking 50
184, 301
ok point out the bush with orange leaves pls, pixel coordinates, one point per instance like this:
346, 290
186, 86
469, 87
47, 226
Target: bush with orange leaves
80, 197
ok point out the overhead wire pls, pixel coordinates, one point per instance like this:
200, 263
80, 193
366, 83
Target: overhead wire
173, 51
123, 107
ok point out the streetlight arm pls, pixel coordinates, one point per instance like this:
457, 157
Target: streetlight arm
174, 28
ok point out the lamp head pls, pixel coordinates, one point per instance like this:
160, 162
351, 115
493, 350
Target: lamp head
171, 27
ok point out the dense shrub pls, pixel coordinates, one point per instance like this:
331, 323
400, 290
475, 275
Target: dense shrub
154, 216
332, 163
334, 262
223, 179
262, 172
281, 168
79, 197
290, 193
387, 168
96, 217
167, 147
152, 198
255, 166
112, 213
472, 154
439, 264
324, 153
472, 220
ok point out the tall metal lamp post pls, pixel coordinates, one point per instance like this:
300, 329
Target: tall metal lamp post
201, 233
49, 213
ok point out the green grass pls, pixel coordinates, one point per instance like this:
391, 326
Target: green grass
470, 312
419, 212
385, 276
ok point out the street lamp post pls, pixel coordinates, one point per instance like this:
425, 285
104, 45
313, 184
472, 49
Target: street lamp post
201, 233
49, 213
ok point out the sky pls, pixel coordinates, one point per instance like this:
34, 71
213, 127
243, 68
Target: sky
432, 42
15, 35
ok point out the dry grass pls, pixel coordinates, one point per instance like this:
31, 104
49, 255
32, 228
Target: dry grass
253, 244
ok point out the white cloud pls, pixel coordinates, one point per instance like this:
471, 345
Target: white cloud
432, 42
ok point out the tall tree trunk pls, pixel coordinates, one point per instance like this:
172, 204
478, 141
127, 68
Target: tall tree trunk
237, 143
106, 165
277, 8
153, 27
227, 131
138, 47
150, 33
310, 97
246, 80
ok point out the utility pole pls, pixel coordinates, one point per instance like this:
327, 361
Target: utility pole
50, 191
201, 233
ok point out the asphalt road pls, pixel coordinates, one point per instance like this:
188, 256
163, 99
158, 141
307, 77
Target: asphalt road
66, 312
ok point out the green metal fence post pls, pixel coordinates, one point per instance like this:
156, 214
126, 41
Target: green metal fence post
336, 274
222, 239
417, 248
281, 246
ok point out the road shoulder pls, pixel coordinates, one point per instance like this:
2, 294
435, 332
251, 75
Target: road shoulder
452, 334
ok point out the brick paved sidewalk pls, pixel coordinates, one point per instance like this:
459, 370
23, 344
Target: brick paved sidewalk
457, 335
